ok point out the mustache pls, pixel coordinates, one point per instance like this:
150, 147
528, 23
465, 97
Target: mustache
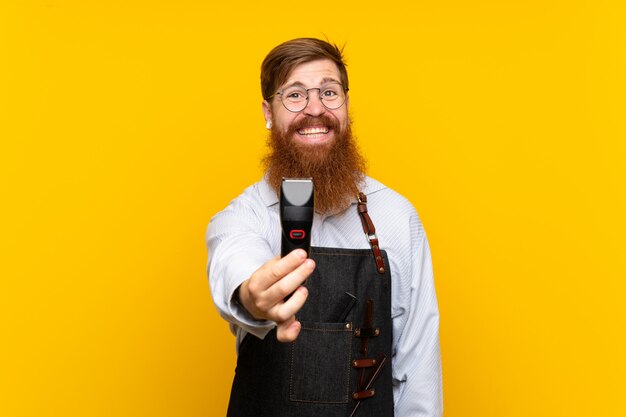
310, 121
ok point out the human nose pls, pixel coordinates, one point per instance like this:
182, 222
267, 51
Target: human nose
314, 106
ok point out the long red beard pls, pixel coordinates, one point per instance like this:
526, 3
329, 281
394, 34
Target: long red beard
337, 167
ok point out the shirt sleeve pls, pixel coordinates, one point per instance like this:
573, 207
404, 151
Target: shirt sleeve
417, 362
237, 249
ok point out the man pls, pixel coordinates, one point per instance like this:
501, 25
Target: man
296, 355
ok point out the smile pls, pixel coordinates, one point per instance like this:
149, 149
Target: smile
316, 134
313, 131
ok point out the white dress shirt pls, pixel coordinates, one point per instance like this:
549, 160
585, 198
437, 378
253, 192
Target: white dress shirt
246, 234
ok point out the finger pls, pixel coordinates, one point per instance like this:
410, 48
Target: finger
288, 331
276, 270
260, 301
290, 282
258, 282
285, 311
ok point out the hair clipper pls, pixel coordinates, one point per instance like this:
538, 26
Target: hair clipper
296, 214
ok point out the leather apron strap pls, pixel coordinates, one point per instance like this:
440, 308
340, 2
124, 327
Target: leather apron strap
370, 232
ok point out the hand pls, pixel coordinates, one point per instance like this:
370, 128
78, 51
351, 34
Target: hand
264, 293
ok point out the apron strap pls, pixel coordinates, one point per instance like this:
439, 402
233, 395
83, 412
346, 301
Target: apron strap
370, 232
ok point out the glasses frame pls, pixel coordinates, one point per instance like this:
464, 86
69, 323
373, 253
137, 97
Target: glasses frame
319, 95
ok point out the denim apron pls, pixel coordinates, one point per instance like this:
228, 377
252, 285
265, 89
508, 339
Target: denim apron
340, 364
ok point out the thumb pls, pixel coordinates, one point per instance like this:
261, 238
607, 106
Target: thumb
288, 331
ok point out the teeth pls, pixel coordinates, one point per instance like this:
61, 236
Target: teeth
313, 130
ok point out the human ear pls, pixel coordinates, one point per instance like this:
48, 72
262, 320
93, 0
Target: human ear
267, 113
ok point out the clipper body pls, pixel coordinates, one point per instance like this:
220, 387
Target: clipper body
296, 214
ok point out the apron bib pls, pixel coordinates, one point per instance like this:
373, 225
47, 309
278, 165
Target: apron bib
340, 365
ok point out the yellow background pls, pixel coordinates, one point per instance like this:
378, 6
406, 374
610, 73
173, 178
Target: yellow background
125, 125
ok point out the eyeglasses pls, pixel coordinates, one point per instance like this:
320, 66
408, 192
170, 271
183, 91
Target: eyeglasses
296, 98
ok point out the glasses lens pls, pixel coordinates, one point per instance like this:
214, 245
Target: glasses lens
294, 98
332, 95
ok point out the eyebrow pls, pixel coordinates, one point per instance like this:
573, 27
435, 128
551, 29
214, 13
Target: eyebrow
325, 80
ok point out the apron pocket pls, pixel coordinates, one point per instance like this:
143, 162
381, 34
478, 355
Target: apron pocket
320, 363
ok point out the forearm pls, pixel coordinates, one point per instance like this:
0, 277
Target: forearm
233, 258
